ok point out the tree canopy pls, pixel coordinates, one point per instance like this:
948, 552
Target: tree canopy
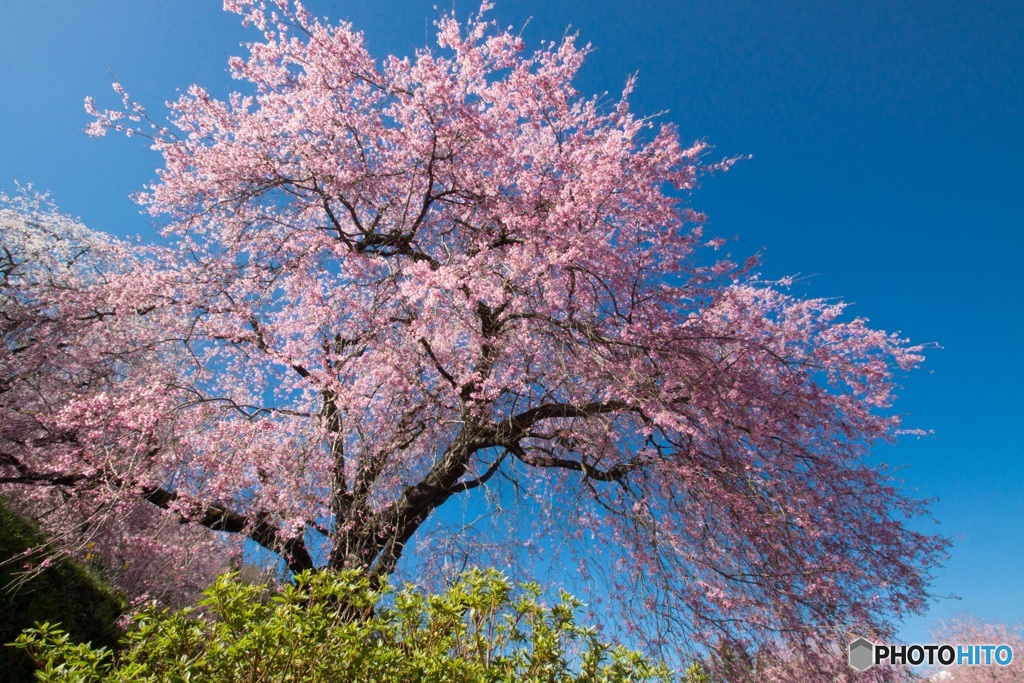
385, 286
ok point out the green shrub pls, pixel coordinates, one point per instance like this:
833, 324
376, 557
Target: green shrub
65, 591
331, 627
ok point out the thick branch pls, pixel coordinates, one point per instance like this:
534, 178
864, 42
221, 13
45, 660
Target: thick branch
336, 443
615, 473
397, 243
38, 479
514, 428
219, 519
27, 475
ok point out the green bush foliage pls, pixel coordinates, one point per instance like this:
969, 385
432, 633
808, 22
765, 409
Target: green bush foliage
65, 591
330, 627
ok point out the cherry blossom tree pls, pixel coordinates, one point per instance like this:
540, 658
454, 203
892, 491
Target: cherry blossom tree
390, 287
967, 629
64, 349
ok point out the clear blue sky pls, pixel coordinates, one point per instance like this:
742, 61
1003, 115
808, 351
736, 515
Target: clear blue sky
887, 138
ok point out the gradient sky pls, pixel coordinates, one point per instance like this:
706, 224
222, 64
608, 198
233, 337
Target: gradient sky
887, 138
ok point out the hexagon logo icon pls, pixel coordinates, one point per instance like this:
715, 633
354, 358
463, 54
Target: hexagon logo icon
861, 654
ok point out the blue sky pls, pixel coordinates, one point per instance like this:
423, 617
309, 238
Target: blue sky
887, 140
